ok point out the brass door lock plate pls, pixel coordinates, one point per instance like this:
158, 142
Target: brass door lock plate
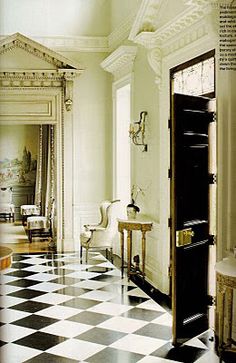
184, 237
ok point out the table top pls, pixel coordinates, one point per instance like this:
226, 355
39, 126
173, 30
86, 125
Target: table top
226, 267
143, 219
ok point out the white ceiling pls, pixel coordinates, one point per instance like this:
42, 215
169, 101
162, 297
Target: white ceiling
50, 18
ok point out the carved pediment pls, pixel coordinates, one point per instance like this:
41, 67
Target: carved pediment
23, 53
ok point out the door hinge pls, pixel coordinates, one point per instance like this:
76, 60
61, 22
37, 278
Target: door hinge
211, 300
212, 178
170, 270
169, 123
169, 174
212, 239
169, 222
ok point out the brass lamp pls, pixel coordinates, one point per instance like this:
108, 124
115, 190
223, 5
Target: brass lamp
137, 131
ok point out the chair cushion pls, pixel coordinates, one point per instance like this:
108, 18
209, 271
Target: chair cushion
85, 236
7, 208
29, 209
38, 222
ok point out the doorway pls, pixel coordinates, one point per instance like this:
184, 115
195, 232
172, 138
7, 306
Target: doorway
193, 195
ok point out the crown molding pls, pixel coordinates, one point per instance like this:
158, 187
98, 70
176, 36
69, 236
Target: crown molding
121, 32
122, 58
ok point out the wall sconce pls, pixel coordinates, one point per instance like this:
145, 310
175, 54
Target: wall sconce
137, 131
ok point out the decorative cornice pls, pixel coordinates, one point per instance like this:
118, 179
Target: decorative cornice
18, 40
155, 37
122, 57
121, 32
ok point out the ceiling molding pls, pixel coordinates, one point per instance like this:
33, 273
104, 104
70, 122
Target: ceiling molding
195, 12
121, 32
122, 58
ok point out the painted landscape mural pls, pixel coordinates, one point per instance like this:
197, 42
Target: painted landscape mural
18, 155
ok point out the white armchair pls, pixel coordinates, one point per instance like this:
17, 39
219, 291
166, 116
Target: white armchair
101, 236
7, 208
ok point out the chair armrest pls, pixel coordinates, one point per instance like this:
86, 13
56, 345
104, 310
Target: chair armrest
95, 228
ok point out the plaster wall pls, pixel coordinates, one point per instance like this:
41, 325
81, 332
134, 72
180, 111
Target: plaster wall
91, 138
120, 9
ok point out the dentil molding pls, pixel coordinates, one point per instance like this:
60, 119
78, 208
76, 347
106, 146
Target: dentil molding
122, 57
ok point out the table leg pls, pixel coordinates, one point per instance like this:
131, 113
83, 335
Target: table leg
129, 251
122, 252
143, 252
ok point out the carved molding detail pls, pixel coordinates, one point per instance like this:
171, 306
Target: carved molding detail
155, 60
122, 57
17, 40
121, 32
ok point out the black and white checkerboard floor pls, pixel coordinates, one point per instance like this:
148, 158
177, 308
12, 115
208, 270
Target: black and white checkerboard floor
55, 309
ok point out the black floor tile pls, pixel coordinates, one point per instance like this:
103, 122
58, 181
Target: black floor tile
19, 265
111, 355
184, 353
54, 264
1, 344
50, 358
88, 317
65, 280
23, 283
99, 269
20, 273
101, 336
30, 306
36, 322
106, 278
61, 272
142, 314
40, 340
155, 331
80, 303
27, 293
72, 291
19, 258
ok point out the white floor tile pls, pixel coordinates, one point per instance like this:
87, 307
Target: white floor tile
38, 268
110, 308
138, 344
208, 357
5, 279
10, 315
8, 301
7, 289
52, 298
83, 274
67, 329
137, 292
91, 284
14, 353
36, 260
76, 349
76, 267
10, 333
59, 312
98, 295
151, 305
125, 325
43, 277
150, 359
164, 319
48, 286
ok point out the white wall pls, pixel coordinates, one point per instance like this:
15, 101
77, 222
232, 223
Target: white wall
120, 9
92, 138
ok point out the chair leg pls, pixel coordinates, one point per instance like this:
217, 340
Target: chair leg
81, 252
107, 257
86, 258
30, 236
111, 252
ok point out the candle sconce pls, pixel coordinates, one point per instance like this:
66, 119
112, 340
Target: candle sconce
137, 131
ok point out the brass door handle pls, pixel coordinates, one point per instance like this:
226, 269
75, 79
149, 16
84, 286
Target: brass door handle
184, 237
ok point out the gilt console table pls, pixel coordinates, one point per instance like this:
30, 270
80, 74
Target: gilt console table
226, 283
144, 225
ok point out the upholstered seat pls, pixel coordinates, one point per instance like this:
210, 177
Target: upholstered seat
7, 208
101, 236
27, 210
41, 226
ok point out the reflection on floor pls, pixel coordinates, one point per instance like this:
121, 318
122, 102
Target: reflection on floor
56, 309
13, 236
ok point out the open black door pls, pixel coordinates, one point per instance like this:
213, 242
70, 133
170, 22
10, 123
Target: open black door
189, 215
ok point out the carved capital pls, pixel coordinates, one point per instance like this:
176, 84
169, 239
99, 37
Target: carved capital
155, 60
68, 94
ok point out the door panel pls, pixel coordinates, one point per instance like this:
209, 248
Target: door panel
190, 210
